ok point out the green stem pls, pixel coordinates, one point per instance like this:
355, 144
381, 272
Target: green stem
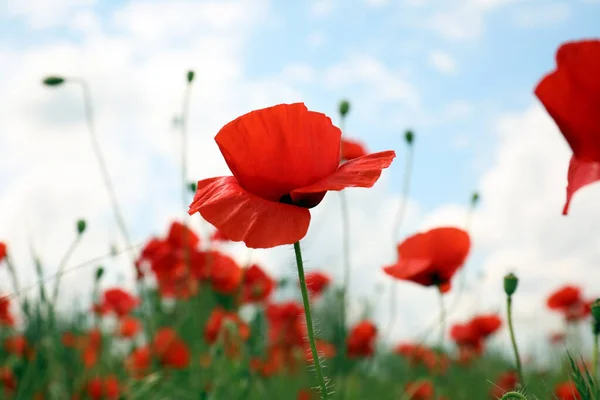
61, 269
595, 358
513, 395
442, 319
13, 275
346, 254
309, 323
184, 143
513, 340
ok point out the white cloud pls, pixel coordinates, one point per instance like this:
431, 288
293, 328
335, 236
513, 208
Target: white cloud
41, 14
377, 3
321, 8
315, 39
547, 15
443, 62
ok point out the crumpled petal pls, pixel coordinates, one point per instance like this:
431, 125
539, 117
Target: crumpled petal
408, 268
360, 172
352, 149
275, 150
242, 216
581, 173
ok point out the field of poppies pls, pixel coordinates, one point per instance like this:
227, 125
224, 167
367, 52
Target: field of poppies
182, 334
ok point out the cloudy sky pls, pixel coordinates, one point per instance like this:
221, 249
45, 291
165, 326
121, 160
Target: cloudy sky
460, 74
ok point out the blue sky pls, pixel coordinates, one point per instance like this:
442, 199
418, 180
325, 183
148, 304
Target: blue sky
459, 73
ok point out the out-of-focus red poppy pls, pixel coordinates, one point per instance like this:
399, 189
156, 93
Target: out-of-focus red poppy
306, 394
466, 337
571, 95
91, 346
569, 301
170, 349
285, 323
16, 345
361, 340
69, 340
506, 382
129, 326
181, 236
486, 325
283, 159
421, 390
6, 317
225, 274
566, 391
257, 285
352, 149
8, 379
95, 389
431, 258
317, 282
139, 361
218, 324
2, 251
111, 388
219, 236
119, 301
325, 350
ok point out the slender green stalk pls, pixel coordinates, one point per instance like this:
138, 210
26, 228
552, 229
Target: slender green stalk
309, 323
346, 254
184, 144
61, 269
442, 319
513, 340
513, 395
13, 274
595, 358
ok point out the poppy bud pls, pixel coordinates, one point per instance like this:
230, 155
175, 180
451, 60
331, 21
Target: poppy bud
344, 108
190, 76
510, 284
53, 80
99, 273
81, 224
596, 310
475, 198
192, 186
282, 283
409, 136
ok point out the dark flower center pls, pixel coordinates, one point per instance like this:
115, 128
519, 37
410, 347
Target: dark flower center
309, 200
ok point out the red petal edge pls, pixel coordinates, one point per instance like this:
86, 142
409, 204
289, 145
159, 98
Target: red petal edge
242, 216
581, 173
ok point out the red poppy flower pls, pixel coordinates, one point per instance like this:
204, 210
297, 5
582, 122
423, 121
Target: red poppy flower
325, 350
170, 349
285, 324
467, 337
6, 317
219, 236
571, 95
225, 274
421, 390
284, 159
564, 298
486, 325
16, 345
257, 285
8, 379
317, 282
506, 382
306, 394
119, 301
179, 235
361, 340
95, 388
2, 251
216, 324
431, 258
352, 149
129, 326
566, 391
139, 361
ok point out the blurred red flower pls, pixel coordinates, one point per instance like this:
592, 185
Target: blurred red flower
129, 326
119, 301
571, 95
421, 390
283, 159
225, 274
6, 317
352, 149
486, 325
8, 379
566, 391
431, 258
16, 345
103, 389
2, 251
361, 340
170, 349
317, 282
139, 361
257, 285
506, 382
227, 323
568, 300
219, 236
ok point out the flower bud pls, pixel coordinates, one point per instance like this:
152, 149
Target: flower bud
409, 137
510, 284
475, 198
99, 273
344, 108
81, 225
190, 76
53, 80
192, 186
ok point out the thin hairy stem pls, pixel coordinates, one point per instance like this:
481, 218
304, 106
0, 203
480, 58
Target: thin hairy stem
61, 269
309, 323
442, 319
513, 395
513, 339
184, 145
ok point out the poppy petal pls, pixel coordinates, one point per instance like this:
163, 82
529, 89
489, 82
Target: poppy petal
407, 268
242, 216
581, 173
275, 150
352, 149
360, 172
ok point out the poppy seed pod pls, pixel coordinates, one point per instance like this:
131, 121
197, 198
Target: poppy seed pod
510, 284
344, 108
475, 198
190, 76
99, 273
409, 136
53, 80
192, 186
81, 225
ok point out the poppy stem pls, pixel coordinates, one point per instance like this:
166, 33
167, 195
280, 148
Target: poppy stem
513, 340
396, 230
513, 395
61, 269
595, 358
13, 275
346, 254
309, 323
442, 318
184, 144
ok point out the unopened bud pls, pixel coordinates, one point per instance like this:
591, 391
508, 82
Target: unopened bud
510, 284
409, 136
190, 76
344, 108
192, 186
475, 198
53, 80
81, 225
282, 283
99, 273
